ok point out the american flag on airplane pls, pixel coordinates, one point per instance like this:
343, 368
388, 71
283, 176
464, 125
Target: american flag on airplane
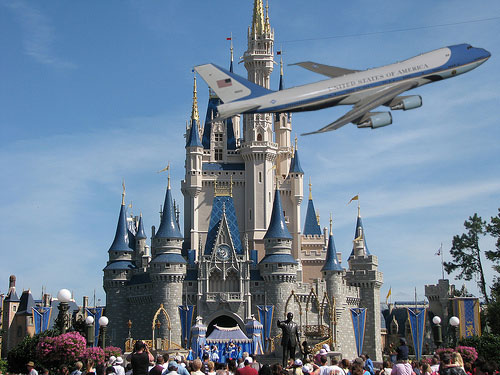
224, 83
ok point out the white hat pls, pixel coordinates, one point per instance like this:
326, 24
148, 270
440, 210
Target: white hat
307, 369
112, 359
249, 359
298, 362
322, 351
119, 360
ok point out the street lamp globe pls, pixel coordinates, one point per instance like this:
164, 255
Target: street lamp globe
89, 319
436, 320
103, 321
454, 321
64, 296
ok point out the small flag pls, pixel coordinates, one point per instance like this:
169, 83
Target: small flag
229, 38
355, 198
224, 83
165, 169
388, 295
439, 250
278, 52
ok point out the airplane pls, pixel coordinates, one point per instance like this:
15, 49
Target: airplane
365, 90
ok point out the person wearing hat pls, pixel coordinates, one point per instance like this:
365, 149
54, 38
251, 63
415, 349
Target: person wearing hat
31, 368
118, 366
296, 368
172, 368
317, 357
247, 368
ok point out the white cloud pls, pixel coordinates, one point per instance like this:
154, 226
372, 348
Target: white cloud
38, 33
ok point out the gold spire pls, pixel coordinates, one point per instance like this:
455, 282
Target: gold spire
331, 224
310, 189
296, 142
194, 113
267, 27
258, 17
281, 64
123, 192
359, 209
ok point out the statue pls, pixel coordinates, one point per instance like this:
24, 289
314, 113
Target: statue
290, 339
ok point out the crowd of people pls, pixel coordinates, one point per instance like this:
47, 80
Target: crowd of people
142, 362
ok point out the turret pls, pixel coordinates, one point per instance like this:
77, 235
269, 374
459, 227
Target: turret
9, 309
141, 249
278, 268
363, 273
311, 225
296, 178
168, 268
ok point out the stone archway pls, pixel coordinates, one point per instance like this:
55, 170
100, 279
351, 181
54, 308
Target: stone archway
224, 319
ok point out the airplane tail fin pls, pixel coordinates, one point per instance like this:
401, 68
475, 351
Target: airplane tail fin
229, 86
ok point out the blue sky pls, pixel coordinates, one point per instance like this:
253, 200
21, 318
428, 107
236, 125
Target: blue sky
95, 92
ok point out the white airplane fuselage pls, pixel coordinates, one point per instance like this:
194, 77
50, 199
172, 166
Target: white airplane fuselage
349, 89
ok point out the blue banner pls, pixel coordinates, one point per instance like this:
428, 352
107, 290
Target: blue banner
358, 316
266, 319
186, 313
96, 313
41, 318
467, 311
416, 317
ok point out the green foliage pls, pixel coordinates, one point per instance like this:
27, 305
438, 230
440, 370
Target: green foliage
486, 346
466, 253
493, 229
25, 352
493, 309
3, 366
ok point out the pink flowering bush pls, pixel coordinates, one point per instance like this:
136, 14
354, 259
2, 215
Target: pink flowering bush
96, 354
440, 351
468, 353
112, 350
65, 348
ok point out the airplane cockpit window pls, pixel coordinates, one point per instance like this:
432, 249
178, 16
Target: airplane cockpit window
469, 46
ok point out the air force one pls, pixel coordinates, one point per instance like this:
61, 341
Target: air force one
365, 90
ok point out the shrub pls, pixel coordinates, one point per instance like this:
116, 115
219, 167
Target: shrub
468, 353
486, 346
65, 348
112, 350
95, 353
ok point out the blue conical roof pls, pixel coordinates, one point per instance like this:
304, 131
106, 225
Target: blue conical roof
311, 226
295, 166
277, 227
121, 241
168, 226
193, 136
141, 234
331, 262
360, 231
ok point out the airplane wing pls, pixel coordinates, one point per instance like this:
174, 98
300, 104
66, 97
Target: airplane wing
367, 104
326, 70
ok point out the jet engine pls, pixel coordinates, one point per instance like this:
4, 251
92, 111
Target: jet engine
406, 102
375, 120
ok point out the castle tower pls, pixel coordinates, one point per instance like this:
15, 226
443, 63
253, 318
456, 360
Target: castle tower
296, 180
9, 310
363, 273
141, 249
258, 149
192, 184
282, 133
278, 268
117, 272
168, 270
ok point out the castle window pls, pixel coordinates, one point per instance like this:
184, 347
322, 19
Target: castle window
30, 320
19, 331
14, 308
218, 154
259, 137
250, 214
218, 137
190, 283
260, 177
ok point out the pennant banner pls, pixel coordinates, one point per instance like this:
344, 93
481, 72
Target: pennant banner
266, 319
41, 318
467, 311
416, 317
358, 316
96, 313
186, 313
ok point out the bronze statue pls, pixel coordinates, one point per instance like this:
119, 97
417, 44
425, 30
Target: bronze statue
290, 337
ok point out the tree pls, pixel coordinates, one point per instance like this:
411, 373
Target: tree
493, 228
493, 309
466, 253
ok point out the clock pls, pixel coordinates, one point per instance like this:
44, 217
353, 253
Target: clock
223, 252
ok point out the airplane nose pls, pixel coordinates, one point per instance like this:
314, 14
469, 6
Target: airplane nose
487, 54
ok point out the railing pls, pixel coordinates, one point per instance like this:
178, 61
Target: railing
223, 297
165, 344
319, 345
316, 330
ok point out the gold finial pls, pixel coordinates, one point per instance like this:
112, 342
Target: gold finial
123, 192
168, 183
258, 17
331, 224
194, 112
310, 189
296, 142
231, 186
281, 64
359, 208
317, 218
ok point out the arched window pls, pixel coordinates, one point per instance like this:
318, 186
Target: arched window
259, 137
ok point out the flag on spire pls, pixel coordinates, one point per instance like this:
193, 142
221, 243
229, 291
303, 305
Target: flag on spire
439, 250
355, 198
388, 295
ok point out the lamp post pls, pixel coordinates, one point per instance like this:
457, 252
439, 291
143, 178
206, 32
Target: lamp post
63, 296
89, 321
454, 322
437, 331
103, 324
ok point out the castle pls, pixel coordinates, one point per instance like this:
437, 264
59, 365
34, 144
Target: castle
241, 245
